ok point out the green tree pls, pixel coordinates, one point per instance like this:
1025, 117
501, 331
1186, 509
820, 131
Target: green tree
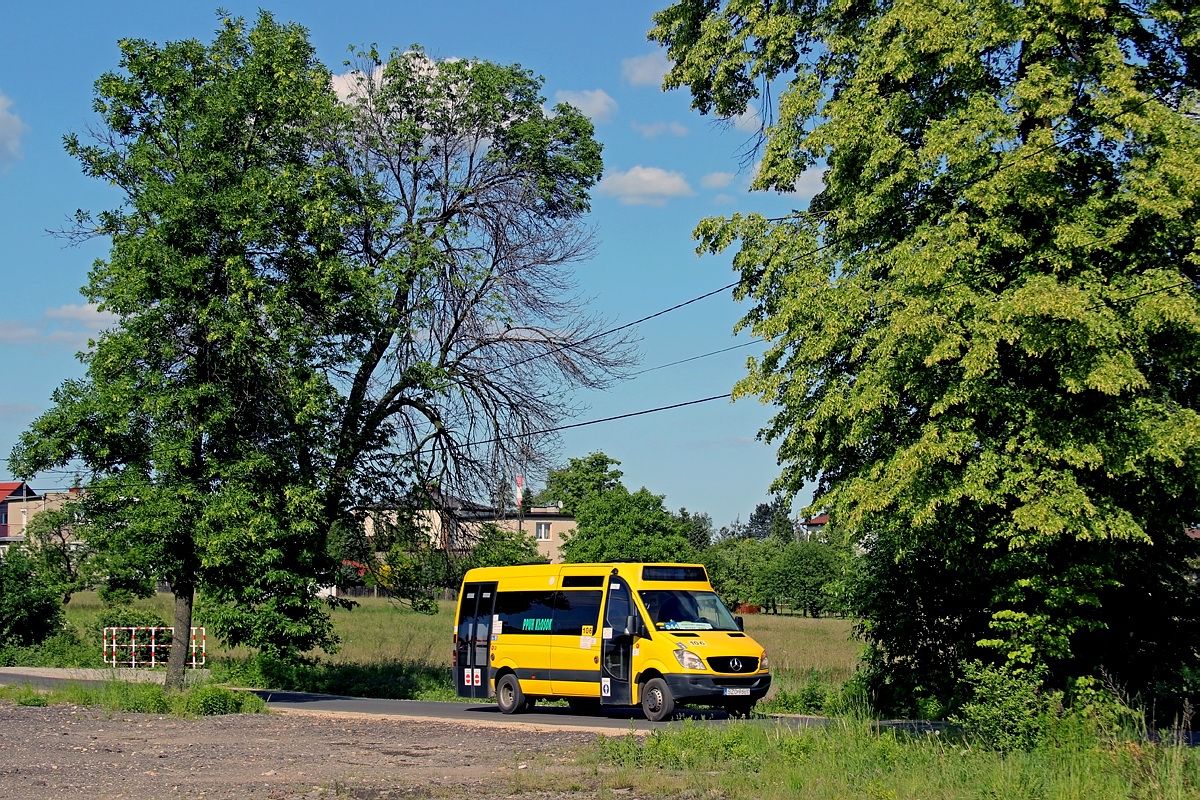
57, 542
620, 524
699, 528
985, 329
771, 519
498, 547
198, 417
581, 479
29, 607
797, 573
737, 567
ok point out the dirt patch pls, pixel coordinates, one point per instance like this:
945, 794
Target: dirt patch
72, 753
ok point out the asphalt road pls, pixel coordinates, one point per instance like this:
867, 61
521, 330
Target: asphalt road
608, 720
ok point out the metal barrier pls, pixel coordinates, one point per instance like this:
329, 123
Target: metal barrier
135, 647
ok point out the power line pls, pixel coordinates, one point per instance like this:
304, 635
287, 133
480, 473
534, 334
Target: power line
697, 358
511, 436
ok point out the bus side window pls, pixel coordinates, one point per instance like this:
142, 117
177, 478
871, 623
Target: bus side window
575, 610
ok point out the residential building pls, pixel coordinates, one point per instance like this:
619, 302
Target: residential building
14, 514
455, 524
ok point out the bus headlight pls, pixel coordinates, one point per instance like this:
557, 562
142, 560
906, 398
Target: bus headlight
764, 662
688, 660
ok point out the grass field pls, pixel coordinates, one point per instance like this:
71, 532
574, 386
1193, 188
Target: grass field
387, 650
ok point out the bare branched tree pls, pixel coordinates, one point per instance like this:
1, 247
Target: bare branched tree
473, 342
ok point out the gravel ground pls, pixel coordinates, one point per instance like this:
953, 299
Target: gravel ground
68, 752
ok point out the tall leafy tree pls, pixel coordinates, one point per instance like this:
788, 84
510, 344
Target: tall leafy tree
200, 412
985, 330
580, 480
623, 525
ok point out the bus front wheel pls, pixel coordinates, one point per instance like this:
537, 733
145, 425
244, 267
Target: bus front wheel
509, 696
657, 702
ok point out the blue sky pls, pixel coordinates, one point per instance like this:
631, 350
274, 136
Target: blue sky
666, 168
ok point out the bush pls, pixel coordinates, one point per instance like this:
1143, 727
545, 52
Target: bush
1008, 709
124, 616
209, 701
29, 609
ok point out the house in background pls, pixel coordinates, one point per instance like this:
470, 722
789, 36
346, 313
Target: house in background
455, 524
19, 504
812, 528
14, 513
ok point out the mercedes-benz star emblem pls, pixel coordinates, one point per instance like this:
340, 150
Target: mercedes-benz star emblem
735, 664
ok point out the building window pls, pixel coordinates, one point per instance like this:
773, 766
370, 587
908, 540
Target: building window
542, 529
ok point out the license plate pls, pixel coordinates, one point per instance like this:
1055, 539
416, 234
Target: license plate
737, 692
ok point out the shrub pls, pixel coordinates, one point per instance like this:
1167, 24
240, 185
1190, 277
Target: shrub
1008, 709
208, 701
29, 609
124, 616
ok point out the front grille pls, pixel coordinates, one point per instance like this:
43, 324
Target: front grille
733, 664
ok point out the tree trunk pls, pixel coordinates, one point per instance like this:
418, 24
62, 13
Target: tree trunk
181, 638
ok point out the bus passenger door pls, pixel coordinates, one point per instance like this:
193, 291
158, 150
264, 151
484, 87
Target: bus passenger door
616, 645
474, 639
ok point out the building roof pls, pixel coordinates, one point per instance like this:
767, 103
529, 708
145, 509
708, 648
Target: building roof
15, 489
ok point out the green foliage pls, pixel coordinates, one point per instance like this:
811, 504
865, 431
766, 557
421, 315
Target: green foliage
29, 607
315, 295
143, 697
582, 479
698, 528
622, 525
858, 759
129, 617
208, 701
392, 679
1006, 708
985, 329
28, 696
64, 648
57, 541
498, 547
194, 414
610, 521
736, 568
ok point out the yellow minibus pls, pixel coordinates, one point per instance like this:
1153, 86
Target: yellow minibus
619, 634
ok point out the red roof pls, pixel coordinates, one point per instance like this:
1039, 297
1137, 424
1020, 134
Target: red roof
819, 519
10, 488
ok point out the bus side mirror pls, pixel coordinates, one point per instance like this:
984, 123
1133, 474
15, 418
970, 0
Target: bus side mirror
741, 623
635, 628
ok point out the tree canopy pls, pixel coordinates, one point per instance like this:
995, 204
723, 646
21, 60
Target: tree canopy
331, 295
984, 332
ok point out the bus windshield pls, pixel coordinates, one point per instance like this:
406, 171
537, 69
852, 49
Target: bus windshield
682, 610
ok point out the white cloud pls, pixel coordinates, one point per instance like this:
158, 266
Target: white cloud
717, 180
748, 121
65, 326
646, 186
647, 70
596, 103
659, 128
810, 183
11, 130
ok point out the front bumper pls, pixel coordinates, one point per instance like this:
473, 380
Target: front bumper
689, 688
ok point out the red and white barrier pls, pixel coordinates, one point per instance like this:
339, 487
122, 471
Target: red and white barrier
135, 647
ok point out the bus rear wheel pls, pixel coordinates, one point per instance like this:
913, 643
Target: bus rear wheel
509, 696
657, 702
